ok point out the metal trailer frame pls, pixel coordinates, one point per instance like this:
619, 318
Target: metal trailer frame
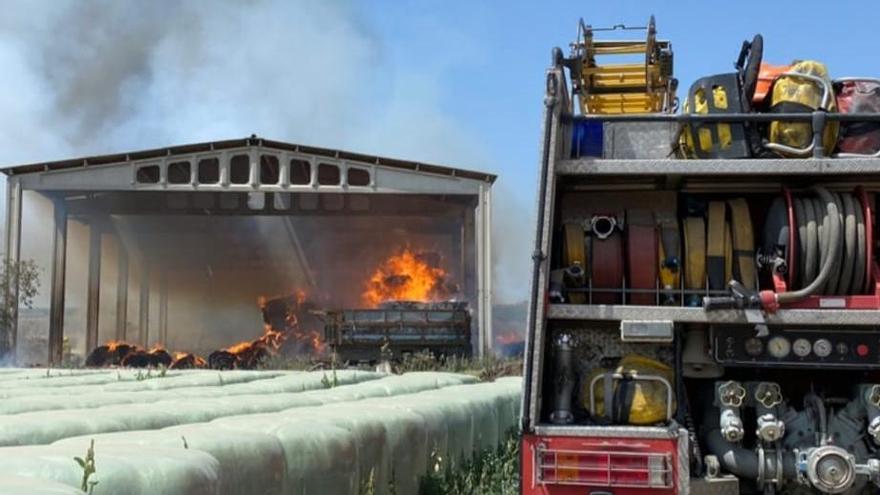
128, 171
555, 165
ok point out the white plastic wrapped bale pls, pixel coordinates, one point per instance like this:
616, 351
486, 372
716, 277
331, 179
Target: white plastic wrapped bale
390, 443
118, 469
391, 435
20, 485
288, 383
178, 379
249, 461
49, 426
395, 385
51, 378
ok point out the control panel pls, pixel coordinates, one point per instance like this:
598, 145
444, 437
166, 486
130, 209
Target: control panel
830, 348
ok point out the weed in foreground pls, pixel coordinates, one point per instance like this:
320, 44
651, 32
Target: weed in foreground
88, 467
494, 472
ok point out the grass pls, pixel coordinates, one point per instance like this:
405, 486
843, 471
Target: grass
486, 368
494, 472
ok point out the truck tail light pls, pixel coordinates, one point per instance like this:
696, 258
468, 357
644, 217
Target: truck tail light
604, 468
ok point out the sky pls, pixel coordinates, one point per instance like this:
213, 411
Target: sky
453, 82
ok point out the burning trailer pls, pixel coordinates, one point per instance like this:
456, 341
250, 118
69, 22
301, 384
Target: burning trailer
398, 328
169, 248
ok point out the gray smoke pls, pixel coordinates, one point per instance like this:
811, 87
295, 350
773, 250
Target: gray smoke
101, 76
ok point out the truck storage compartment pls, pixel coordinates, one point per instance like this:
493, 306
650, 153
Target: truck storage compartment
685, 248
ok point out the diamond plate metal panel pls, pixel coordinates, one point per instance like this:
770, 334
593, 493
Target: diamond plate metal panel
639, 140
825, 166
698, 315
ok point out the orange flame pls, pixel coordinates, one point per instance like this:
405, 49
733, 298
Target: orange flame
268, 343
406, 276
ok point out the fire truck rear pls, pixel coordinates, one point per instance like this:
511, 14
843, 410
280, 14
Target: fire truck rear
704, 303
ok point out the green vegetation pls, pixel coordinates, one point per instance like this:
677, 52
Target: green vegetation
486, 368
25, 276
88, 467
494, 472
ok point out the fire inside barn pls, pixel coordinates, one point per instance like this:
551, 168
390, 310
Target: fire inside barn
183, 248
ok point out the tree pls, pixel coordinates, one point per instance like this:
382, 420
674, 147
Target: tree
25, 276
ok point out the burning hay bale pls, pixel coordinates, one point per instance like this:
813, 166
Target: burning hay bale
222, 360
282, 328
410, 276
110, 354
187, 361
128, 355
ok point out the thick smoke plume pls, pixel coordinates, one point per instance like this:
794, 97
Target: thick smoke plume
102, 76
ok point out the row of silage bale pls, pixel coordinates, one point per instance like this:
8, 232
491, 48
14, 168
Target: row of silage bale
93, 396
129, 380
50, 425
393, 439
332, 448
120, 469
10, 485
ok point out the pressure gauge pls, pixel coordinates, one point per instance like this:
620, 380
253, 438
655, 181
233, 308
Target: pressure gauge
754, 346
801, 347
822, 348
779, 347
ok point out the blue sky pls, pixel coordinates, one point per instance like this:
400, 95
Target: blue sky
493, 54
452, 82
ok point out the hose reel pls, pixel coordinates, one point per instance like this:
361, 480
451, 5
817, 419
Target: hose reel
817, 249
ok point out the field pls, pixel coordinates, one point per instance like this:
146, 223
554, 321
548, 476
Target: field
241, 432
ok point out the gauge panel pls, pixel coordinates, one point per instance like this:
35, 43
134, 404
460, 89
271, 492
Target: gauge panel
835, 348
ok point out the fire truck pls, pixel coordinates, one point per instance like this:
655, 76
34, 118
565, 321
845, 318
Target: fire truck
705, 301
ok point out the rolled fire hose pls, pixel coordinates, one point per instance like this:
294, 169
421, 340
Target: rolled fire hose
606, 265
669, 255
743, 243
642, 255
827, 248
716, 246
695, 251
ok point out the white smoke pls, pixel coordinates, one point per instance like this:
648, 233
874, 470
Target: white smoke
102, 76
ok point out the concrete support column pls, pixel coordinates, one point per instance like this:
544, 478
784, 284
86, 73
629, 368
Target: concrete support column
94, 289
9, 335
144, 306
163, 308
59, 267
121, 290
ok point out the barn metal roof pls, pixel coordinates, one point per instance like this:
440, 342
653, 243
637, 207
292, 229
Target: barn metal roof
184, 149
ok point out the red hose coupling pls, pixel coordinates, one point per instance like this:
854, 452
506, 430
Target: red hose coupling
769, 301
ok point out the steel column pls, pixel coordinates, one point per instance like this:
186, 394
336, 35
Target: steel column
94, 294
13, 257
59, 267
144, 306
488, 294
163, 307
481, 281
121, 290
470, 271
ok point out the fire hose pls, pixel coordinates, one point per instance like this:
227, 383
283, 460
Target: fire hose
642, 253
828, 246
